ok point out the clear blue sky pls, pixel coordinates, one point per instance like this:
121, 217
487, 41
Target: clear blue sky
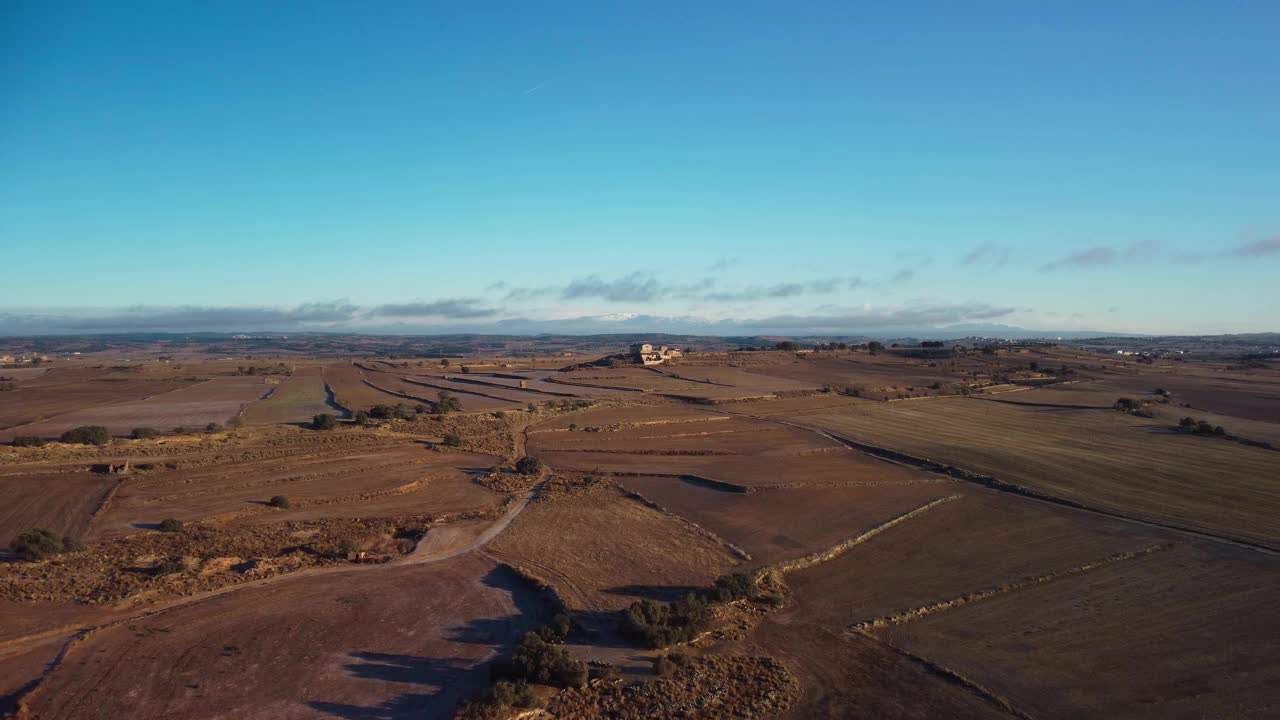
821, 166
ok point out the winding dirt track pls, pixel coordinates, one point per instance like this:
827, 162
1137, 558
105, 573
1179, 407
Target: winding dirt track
440, 544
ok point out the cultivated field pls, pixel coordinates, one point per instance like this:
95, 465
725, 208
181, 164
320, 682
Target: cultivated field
1105, 459
212, 401
294, 400
903, 551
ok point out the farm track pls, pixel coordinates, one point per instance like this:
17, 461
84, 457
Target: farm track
77, 635
919, 613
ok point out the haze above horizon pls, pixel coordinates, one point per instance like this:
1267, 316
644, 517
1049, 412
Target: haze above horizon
720, 169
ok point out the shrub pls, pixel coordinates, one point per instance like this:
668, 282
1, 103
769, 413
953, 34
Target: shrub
168, 567
420, 409
538, 661
515, 694
446, 403
403, 412
7, 386
87, 435
1187, 422
529, 465
279, 501
27, 441
453, 440
669, 663
144, 433
324, 421
738, 586
213, 428
171, 525
41, 543
657, 625
235, 422
361, 417
180, 430
573, 426
382, 412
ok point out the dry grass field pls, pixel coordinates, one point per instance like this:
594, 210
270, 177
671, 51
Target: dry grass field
60, 391
1187, 633
352, 392
886, 589
212, 401
395, 642
649, 553
294, 400
1109, 460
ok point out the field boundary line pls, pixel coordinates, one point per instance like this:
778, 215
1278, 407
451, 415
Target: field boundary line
950, 676
733, 549
992, 483
839, 549
918, 613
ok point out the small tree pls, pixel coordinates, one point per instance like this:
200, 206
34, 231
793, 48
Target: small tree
213, 427
41, 543
453, 440
324, 421
87, 435
279, 501
447, 403
171, 525
361, 417
27, 441
529, 465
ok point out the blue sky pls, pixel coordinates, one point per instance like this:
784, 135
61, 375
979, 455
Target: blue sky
727, 167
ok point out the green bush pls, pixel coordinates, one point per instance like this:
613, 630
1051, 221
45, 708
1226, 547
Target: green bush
279, 501
213, 428
87, 435
324, 421
453, 440
171, 525
144, 433
657, 625
446, 403
361, 418
538, 661
529, 465
738, 586
41, 543
27, 441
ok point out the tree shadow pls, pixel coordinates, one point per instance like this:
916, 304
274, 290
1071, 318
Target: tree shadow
662, 593
445, 681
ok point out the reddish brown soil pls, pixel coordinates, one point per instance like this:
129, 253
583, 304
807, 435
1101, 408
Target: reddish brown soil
1185, 633
63, 502
56, 394
781, 524
213, 401
389, 642
648, 553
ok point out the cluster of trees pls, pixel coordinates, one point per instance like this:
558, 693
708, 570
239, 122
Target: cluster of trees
536, 658
277, 369
446, 403
41, 543
529, 465
656, 625
1201, 427
653, 624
